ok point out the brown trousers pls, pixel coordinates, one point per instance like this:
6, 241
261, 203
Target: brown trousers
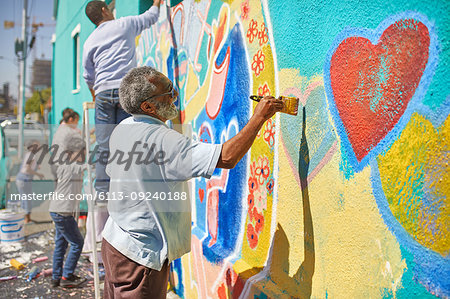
125, 278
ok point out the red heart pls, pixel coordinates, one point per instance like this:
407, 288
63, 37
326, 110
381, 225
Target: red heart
201, 194
373, 84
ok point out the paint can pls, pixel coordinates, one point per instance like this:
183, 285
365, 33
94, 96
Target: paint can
16, 264
11, 226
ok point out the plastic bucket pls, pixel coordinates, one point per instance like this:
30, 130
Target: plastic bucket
11, 226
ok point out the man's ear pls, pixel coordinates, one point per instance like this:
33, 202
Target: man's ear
148, 108
105, 11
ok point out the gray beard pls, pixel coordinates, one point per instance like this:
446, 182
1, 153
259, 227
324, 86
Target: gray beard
166, 111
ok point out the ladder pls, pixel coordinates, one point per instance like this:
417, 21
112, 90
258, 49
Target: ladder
91, 203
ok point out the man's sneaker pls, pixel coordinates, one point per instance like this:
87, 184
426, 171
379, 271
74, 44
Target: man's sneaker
55, 282
72, 281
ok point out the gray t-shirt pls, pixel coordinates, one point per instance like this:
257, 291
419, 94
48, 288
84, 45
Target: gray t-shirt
68, 190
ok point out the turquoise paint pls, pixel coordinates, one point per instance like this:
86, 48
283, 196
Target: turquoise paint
303, 39
410, 287
344, 165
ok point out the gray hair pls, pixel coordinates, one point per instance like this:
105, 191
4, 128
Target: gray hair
136, 87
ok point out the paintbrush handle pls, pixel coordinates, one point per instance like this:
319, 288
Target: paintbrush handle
256, 98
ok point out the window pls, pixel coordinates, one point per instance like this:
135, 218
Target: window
76, 59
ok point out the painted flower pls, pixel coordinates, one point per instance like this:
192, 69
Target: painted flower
263, 90
251, 204
269, 133
260, 199
252, 237
259, 221
262, 169
258, 63
263, 35
269, 186
252, 184
253, 169
252, 31
245, 9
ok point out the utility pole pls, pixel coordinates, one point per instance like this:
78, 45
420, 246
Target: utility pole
23, 83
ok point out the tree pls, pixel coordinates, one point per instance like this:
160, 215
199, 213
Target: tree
33, 104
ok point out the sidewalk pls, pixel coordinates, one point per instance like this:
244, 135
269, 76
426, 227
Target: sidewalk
39, 242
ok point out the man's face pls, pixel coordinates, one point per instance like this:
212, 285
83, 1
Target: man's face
165, 106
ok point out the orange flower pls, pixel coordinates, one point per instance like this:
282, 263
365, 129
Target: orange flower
269, 133
259, 221
263, 90
252, 31
252, 184
258, 62
263, 35
252, 237
262, 169
245, 9
251, 203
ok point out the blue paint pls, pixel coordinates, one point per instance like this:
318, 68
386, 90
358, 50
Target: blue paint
177, 268
374, 36
235, 107
430, 268
344, 165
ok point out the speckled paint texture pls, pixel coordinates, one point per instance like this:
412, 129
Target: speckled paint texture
348, 199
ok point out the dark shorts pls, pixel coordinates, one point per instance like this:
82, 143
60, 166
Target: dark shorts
125, 278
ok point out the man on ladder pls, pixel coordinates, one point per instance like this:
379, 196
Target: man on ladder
108, 54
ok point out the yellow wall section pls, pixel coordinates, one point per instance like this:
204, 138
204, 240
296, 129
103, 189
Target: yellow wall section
420, 154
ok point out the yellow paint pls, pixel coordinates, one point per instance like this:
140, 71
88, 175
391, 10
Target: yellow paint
192, 84
415, 163
349, 237
255, 258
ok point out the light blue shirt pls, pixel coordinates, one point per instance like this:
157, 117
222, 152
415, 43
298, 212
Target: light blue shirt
109, 52
142, 225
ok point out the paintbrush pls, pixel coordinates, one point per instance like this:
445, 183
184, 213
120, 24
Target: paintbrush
290, 103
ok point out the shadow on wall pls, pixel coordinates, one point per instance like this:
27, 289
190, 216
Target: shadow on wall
300, 284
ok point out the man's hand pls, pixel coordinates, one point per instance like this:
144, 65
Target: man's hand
156, 2
267, 107
234, 149
93, 94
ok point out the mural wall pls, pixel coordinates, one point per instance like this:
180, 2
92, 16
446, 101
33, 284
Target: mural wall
348, 199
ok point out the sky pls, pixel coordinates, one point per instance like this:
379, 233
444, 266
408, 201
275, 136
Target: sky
11, 10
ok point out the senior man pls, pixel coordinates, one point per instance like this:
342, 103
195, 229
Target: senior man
150, 221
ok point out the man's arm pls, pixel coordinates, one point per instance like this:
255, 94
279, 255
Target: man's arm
144, 20
234, 149
89, 70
